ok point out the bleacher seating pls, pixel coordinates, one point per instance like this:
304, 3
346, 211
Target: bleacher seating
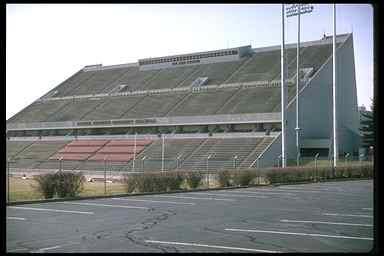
222, 153
133, 78
14, 147
99, 82
112, 108
216, 72
38, 111
37, 153
75, 109
260, 147
170, 77
71, 83
202, 103
255, 100
154, 105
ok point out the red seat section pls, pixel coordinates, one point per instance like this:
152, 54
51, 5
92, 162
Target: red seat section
119, 149
87, 143
140, 142
112, 157
70, 156
76, 149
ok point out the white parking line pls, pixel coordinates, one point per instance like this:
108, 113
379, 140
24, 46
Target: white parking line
152, 201
297, 234
48, 210
108, 205
198, 198
267, 193
367, 209
224, 194
15, 218
348, 215
46, 249
330, 223
298, 191
211, 246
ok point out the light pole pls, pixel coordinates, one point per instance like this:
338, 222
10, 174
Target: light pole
162, 154
105, 175
316, 156
297, 10
234, 161
177, 161
346, 158
144, 157
335, 148
8, 189
209, 156
60, 164
283, 94
134, 153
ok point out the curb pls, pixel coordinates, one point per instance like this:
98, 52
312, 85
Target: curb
125, 195
320, 181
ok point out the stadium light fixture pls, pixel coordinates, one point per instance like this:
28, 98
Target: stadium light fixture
297, 10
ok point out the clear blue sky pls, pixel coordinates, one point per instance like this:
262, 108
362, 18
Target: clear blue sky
47, 43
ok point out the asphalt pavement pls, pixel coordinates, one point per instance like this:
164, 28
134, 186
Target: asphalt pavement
318, 217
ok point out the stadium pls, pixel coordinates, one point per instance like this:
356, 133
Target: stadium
210, 110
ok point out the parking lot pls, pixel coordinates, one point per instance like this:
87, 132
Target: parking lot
319, 217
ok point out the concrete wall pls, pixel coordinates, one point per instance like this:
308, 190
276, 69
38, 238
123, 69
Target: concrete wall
315, 107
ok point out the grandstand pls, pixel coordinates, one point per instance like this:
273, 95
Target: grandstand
208, 110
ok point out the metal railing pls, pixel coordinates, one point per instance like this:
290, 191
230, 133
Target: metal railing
271, 117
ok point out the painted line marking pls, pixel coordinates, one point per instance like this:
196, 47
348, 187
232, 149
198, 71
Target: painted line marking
348, 215
108, 205
198, 198
230, 195
48, 210
296, 191
268, 193
211, 246
153, 201
18, 249
297, 234
325, 222
46, 249
368, 209
15, 218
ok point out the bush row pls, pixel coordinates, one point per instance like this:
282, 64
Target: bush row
299, 174
70, 184
60, 184
161, 182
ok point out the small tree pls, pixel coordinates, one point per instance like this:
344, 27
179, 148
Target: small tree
367, 127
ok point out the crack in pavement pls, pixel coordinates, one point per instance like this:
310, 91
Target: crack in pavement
148, 224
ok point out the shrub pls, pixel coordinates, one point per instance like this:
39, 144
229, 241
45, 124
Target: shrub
173, 180
244, 178
193, 179
224, 178
46, 184
131, 182
64, 184
69, 184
